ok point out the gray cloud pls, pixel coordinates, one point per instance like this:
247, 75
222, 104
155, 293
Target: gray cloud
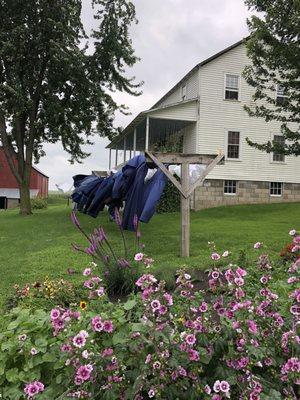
172, 36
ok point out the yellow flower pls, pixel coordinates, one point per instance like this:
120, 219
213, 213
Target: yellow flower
83, 305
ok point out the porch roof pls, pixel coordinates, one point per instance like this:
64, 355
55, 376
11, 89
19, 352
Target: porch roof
184, 112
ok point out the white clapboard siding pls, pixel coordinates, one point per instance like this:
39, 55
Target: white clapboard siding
175, 96
190, 138
218, 116
187, 111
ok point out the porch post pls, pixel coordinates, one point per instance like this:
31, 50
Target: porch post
185, 211
116, 161
134, 142
124, 158
109, 160
147, 134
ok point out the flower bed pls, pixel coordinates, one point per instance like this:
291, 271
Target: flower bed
220, 342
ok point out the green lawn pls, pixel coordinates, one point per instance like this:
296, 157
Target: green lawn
39, 245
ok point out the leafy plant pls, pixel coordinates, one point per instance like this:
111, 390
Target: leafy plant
37, 203
120, 271
215, 343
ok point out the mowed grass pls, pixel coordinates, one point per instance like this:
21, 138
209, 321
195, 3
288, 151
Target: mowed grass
40, 245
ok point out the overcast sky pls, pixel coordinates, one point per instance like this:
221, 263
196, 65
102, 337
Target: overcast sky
172, 36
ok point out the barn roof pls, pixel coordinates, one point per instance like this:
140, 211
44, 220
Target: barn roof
34, 167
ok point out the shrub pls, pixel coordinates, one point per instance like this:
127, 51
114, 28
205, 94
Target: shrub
37, 203
170, 199
214, 344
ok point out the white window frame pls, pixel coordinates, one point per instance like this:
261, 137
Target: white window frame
236, 187
226, 145
282, 96
183, 91
276, 195
272, 154
239, 86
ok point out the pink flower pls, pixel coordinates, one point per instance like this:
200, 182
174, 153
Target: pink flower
216, 386
190, 339
257, 245
226, 253
239, 281
215, 256
100, 292
203, 307
241, 272
296, 239
80, 339
54, 314
151, 393
108, 326
215, 274
155, 304
84, 372
87, 272
33, 388
224, 386
139, 257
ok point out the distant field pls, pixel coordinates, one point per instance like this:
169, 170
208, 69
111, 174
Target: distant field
39, 245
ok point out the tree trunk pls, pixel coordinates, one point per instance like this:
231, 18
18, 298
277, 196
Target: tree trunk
25, 205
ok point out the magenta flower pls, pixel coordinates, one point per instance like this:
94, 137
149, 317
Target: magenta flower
108, 326
80, 339
257, 245
139, 257
215, 256
87, 272
33, 388
83, 373
224, 386
54, 314
190, 339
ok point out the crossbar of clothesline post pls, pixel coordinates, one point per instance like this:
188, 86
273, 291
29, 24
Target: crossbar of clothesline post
185, 190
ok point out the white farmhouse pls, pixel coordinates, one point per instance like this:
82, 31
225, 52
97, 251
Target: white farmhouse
204, 113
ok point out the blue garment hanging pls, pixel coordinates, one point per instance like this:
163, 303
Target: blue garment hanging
153, 190
134, 198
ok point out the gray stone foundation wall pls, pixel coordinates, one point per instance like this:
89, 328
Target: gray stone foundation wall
248, 192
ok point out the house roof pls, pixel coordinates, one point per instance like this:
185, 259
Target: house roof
139, 118
206, 61
142, 114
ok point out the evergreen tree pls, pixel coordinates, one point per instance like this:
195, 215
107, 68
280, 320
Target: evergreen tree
56, 81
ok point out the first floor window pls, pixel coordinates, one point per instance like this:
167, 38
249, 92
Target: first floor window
231, 87
276, 188
233, 144
230, 187
277, 157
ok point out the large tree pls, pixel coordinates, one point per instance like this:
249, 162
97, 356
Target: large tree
57, 81
274, 49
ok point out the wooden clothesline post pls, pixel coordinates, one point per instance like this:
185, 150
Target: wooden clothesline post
159, 159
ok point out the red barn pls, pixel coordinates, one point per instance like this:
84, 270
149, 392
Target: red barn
9, 189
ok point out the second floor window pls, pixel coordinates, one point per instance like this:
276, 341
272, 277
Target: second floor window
231, 87
277, 157
233, 145
281, 96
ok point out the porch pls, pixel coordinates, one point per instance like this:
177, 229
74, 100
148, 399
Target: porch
168, 129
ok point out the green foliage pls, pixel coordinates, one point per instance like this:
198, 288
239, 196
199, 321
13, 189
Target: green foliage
170, 199
37, 203
274, 50
62, 91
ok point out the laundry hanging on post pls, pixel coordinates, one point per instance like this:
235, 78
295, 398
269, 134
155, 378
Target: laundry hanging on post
92, 194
